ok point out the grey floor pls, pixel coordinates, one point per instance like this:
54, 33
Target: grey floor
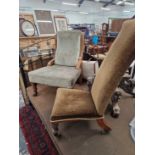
22, 143
76, 139
118, 147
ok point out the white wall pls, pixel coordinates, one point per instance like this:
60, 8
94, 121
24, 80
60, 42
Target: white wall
96, 15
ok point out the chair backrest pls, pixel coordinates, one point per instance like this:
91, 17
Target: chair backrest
118, 59
68, 47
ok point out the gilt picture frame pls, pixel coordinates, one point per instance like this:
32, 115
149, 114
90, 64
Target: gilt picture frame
60, 23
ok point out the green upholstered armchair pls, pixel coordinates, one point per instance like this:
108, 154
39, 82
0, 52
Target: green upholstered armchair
65, 68
72, 104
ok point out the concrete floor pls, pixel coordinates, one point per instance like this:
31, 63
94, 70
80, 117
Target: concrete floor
83, 137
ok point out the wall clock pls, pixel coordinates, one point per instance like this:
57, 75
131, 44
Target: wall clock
28, 28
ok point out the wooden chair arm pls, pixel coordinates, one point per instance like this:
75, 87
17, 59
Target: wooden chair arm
79, 63
51, 62
28, 65
82, 47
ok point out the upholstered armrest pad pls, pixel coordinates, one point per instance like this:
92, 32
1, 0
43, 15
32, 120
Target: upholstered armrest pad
51, 62
72, 103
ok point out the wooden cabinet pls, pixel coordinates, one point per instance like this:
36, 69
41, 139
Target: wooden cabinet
115, 24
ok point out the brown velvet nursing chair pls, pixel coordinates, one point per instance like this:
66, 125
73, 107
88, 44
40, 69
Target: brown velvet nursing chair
72, 104
65, 69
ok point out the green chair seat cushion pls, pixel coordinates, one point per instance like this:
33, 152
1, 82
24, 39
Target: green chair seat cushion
56, 75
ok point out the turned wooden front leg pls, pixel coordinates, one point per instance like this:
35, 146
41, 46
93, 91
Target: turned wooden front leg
34, 85
101, 122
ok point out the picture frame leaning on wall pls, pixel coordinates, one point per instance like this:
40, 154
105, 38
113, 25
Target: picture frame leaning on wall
44, 22
61, 23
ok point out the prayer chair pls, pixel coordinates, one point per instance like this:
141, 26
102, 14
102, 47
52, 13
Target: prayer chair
72, 104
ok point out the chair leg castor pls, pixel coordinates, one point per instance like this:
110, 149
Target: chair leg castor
56, 130
104, 126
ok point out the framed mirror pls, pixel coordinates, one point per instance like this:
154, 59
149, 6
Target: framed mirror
27, 28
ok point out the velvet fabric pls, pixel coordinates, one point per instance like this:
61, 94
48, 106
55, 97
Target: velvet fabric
63, 72
68, 48
73, 103
70, 103
56, 75
118, 59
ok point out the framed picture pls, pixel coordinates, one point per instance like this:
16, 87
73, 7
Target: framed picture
60, 23
44, 22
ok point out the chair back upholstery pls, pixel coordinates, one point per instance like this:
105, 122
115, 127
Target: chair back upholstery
118, 59
68, 47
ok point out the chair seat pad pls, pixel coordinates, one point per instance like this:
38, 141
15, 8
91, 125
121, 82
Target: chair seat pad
72, 103
56, 75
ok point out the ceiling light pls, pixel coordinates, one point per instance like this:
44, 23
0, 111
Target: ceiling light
127, 11
128, 3
97, 0
43, 21
55, 10
106, 9
119, 2
72, 4
84, 13
124, 3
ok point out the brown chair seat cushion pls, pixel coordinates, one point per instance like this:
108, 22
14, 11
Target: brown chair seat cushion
72, 103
